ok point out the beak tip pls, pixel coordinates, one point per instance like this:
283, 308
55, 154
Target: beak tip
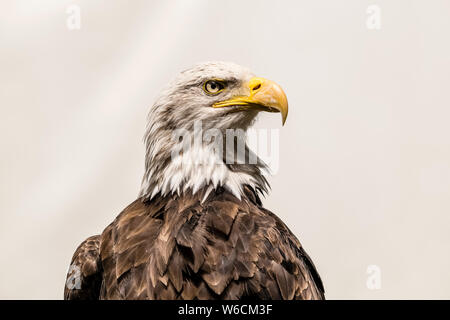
283, 117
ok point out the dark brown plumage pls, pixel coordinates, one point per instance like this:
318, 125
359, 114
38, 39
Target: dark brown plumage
177, 247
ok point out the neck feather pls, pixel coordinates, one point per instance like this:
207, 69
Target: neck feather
198, 167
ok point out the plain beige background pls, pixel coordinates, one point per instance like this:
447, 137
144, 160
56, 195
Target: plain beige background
364, 157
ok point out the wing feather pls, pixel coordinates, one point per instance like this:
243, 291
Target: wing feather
84, 278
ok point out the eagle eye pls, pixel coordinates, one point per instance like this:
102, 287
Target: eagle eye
213, 86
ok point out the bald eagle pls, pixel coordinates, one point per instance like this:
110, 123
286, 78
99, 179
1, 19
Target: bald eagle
198, 229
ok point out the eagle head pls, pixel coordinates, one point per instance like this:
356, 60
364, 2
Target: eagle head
218, 96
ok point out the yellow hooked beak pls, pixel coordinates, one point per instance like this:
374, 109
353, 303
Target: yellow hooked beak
265, 95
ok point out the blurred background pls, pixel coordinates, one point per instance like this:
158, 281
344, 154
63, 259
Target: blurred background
364, 173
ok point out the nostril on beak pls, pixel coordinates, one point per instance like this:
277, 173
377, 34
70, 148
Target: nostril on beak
256, 87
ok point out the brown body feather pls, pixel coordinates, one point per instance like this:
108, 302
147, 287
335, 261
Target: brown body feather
178, 247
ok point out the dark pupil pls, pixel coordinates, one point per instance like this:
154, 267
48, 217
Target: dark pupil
213, 85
